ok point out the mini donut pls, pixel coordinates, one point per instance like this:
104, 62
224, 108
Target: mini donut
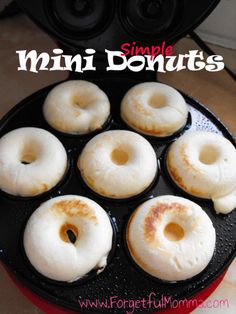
170, 238
118, 164
76, 107
55, 254
154, 109
203, 164
32, 161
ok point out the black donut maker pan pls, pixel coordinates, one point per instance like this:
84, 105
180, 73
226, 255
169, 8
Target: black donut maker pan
122, 277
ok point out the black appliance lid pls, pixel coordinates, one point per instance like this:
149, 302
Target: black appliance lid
103, 24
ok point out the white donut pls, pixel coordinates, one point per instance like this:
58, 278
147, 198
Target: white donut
204, 164
32, 161
76, 107
118, 164
154, 109
171, 238
49, 248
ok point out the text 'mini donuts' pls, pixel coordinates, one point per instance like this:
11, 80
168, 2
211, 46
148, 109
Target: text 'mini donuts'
204, 164
154, 109
118, 164
32, 161
50, 249
170, 238
76, 107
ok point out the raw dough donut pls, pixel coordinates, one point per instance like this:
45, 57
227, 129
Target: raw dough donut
204, 164
118, 164
50, 249
155, 109
76, 107
171, 238
32, 161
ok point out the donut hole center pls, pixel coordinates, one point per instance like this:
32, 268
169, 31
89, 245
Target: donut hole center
28, 158
119, 156
78, 102
69, 233
158, 101
173, 232
208, 155
29, 152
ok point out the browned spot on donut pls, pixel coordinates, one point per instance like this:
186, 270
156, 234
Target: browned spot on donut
141, 109
130, 247
35, 191
44, 186
41, 188
137, 259
186, 160
164, 131
154, 215
174, 173
75, 208
90, 181
78, 162
104, 193
59, 125
134, 254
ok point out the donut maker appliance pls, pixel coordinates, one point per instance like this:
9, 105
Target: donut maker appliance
122, 277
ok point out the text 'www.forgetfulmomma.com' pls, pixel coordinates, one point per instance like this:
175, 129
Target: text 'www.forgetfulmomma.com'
129, 306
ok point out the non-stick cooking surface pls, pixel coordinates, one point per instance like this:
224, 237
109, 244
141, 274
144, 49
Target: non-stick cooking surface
121, 277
